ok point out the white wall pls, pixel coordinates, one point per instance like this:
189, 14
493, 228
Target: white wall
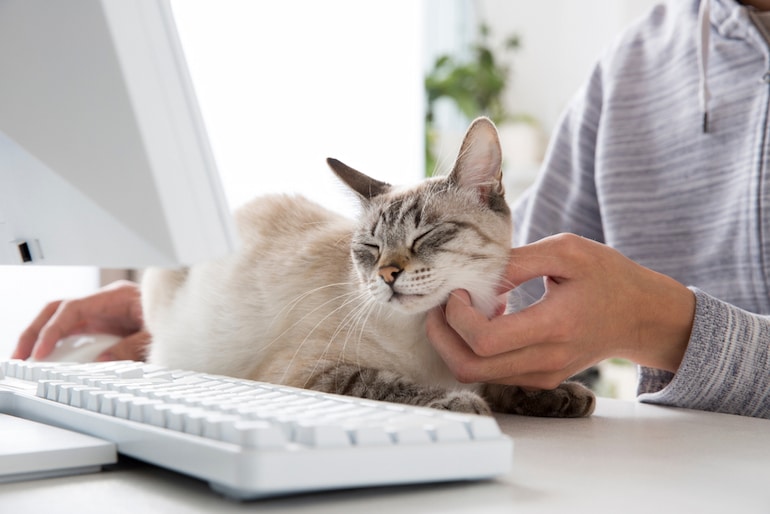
283, 85
561, 40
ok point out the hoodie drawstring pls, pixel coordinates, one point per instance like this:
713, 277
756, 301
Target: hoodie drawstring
704, 23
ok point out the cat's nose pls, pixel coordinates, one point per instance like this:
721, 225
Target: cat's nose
389, 274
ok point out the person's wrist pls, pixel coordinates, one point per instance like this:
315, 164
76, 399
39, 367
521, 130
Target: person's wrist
669, 326
680, 321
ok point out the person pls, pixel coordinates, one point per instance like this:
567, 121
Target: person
647, 223
656, 178
115, 309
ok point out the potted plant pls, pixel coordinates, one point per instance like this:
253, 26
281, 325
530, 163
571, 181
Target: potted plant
476, 85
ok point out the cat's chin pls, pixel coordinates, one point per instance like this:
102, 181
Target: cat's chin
413, 303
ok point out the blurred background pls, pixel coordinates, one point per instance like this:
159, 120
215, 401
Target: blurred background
386, 86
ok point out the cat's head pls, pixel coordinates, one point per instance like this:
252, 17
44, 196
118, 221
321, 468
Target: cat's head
414, 245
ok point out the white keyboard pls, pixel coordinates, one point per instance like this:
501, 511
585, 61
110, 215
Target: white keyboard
251, 439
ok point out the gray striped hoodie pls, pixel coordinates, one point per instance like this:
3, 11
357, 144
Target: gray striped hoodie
630, 165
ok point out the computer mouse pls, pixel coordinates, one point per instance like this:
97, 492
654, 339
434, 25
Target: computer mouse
80, 348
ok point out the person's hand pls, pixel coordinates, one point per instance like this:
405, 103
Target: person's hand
597, 304
115, 309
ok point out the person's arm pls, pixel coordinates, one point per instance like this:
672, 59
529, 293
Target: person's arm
115, 309
597, 304
695, 350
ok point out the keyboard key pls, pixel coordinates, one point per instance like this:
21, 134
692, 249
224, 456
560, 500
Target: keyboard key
371, 436
214, 423
406, 435
254, 434
449, 431
322, 436
159, 414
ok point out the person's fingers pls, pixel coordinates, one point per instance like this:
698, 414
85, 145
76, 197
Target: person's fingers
489, 337
454, 351
29, 336
469, 322
114, 309
525, 263
538, 366
67, 320
133, 347
121, 303
554, 257
537, 379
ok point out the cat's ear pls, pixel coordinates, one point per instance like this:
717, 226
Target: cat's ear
479, 164
365, 186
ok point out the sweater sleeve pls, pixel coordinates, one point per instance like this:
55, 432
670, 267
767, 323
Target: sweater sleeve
726, 367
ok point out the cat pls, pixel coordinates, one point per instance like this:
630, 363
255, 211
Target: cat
315, 300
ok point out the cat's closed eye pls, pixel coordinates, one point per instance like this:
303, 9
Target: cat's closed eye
417, 240
435, 237
366, 253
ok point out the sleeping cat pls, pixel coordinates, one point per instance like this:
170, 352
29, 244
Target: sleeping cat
315, 300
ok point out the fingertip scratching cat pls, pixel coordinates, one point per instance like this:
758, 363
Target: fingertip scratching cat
313, 299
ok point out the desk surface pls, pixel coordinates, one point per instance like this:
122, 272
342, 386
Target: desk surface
628, 457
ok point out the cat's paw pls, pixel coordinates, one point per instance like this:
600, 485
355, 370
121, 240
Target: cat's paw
462, 401
569, 400
577, 401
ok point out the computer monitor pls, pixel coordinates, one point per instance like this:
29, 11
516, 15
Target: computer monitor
104, 158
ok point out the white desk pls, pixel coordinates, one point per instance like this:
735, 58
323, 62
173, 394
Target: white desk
627, 458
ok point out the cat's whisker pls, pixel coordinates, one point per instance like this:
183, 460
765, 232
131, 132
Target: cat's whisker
286, 309
300, 320
354, 294
373, 306
293, 303
358, 319
355, 319
346, 321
